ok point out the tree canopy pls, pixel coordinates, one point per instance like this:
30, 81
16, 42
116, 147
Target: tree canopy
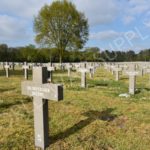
32, 54
60, 25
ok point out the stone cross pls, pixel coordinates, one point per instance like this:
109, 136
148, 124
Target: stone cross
142, 69
13, 66
112, 69
132, 79
69, 66
83, 76
91, 71
50, 73
148, 71
7, 66
26, 67
117, 71
41, 91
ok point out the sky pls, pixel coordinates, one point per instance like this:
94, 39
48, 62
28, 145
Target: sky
113, 24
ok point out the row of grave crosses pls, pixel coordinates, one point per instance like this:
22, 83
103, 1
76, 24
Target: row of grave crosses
8, 66
42, 91
82, 67
131, 71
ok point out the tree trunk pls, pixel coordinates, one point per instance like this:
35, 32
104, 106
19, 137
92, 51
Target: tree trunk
60, 60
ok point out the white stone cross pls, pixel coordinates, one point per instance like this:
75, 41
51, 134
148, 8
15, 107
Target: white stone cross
50, 73
117, 71
7, 67
132, 81
26, 68
91, 71
69, 66
83, 76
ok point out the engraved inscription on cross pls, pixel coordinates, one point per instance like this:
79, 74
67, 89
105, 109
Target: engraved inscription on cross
41, 91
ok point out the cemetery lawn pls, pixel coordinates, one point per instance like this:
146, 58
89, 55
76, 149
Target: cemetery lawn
95, 118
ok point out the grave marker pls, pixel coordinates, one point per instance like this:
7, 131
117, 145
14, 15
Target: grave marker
91, 71
69, 66
26, 67
50, 73
132, 78
117, 71
7, 66
41, 91
83, 76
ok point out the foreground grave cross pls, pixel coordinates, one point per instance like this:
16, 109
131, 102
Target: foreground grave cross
25, 67
41, 91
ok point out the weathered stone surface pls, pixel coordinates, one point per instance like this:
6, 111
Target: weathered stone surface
41, 91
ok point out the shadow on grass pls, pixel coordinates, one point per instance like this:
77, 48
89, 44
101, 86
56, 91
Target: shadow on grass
5, 90
139, 90
92, 115
16, 72
8, 105
124, 78
146, 89
100, 83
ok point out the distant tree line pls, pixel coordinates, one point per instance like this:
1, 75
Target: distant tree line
32, 54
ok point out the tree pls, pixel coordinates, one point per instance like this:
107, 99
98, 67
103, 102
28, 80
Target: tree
3, 52
92, 53
61, 26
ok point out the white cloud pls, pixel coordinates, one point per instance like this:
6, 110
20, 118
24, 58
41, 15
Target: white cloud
16, 18
146, 20
12, 29
22, 8
128, 19
139, 6
113, 35
104, 35
133, 9
98, 11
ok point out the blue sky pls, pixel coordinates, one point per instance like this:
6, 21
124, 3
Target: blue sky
114, 24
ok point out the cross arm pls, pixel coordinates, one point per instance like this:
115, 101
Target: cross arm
48, 91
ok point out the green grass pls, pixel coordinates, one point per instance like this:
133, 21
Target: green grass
95, 118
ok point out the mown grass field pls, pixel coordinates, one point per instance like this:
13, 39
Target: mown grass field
95, 118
